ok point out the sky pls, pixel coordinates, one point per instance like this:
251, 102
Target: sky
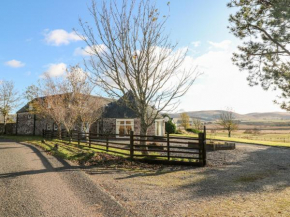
38, 37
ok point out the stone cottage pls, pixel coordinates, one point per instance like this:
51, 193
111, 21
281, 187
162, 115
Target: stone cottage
116, 118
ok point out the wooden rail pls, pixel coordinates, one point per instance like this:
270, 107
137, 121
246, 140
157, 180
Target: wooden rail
179, 150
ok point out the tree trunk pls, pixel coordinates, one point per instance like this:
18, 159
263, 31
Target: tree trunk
87, 132
59, 131
229, 133
4, 130
143, 132
70, 136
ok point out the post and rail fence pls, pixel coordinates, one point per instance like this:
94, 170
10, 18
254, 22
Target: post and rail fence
163, 149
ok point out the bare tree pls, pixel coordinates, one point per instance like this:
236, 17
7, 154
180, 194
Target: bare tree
47, 101
129, 52
9, 100
198, 125
66, 100
88, 107
91, 112
184, 118
227, 121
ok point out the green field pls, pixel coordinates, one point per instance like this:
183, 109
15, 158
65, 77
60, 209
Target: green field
271, 139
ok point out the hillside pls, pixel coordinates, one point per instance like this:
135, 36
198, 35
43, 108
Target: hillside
212, 115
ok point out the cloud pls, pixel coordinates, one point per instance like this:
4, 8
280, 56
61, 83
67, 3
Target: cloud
15, 64
88, 51
225, 45
223, 85
196, 43
59, 37
55, 70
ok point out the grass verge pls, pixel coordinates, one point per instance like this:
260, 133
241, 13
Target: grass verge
84, 155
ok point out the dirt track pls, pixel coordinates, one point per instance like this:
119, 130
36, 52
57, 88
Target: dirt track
33, 183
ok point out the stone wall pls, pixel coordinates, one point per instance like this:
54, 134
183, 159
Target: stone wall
109, 126
10, 128
41, 123
28, 124
94, 128
137, 128
25, 123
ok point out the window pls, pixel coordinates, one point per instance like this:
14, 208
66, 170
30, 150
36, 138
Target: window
124, 126
30, 107
55, 127
48, 127
29, 116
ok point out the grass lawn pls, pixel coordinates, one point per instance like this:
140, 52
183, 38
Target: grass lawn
82, 153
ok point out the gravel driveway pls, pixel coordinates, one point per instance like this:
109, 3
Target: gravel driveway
249, 181
33, 183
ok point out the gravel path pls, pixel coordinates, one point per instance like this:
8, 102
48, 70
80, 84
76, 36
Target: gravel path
249, 181
33, 183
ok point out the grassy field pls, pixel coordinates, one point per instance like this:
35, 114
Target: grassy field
271, 139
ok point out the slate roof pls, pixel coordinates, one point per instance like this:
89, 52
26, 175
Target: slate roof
118, 109
26, 107
113, 108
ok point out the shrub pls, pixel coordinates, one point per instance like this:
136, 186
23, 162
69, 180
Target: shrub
193, 130
256, 131
170, 127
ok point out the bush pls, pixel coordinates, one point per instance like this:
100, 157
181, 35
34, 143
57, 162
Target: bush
170, 127
193, 130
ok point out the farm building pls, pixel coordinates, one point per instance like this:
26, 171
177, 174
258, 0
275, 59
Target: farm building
116, 118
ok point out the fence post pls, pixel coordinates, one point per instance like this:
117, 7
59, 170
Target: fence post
200, 144
204, 146
131, 145
107, 143
168, 147
43, 133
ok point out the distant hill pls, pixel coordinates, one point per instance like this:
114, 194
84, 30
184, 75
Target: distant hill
212, 115
270, 116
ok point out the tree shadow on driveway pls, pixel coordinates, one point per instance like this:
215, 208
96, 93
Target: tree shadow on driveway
44, 160
261, 169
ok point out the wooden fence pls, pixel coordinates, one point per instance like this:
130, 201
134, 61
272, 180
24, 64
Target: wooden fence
168, 149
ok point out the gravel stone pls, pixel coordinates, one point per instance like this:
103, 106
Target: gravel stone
251, 180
